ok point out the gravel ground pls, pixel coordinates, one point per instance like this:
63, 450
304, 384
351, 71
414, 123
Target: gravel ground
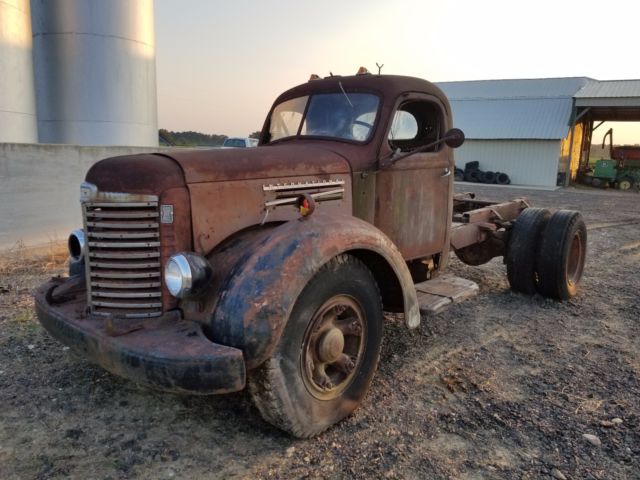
500, 386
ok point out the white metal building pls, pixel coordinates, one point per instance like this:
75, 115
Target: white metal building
519, 127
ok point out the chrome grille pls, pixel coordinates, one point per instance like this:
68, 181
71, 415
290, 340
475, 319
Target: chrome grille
123, 255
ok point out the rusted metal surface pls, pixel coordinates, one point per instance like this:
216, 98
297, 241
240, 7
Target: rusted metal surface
390, 88
412, 204
221, 209
175, 236
492, 212
122, 253
333, 347
272, 162
411, 200
144, 173
494, 245
239, 208
165, 353
254, 301
480, 228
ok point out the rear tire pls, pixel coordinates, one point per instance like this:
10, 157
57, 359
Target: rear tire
324, 362
522, 250
625, 183
562, 255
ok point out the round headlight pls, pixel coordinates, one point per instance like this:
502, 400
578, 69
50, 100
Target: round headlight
76, 244
186, 273
178, 276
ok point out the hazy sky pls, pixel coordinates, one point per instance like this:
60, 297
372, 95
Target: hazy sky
220, 64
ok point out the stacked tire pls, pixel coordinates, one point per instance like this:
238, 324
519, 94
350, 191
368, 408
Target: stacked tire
546, 253
472, 173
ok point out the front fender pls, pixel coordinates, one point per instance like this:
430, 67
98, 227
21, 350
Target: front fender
255, 300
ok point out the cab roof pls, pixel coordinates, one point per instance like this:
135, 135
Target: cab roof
388, 86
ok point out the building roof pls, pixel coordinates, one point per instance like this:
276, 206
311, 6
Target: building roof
609, 93
514, 89
610, 89
514, 109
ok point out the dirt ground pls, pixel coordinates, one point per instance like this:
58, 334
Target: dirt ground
500, 386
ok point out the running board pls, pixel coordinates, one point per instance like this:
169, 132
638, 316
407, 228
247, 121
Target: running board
437, 294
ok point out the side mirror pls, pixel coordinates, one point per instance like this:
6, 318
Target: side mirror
454, 138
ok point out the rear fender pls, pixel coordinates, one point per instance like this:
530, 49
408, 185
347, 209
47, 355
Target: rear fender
254, 300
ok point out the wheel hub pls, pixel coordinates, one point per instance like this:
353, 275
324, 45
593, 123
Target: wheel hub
333, 347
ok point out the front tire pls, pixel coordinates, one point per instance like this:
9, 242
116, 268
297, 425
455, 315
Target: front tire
325, 360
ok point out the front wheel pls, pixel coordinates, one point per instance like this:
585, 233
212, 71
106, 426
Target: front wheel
324, 362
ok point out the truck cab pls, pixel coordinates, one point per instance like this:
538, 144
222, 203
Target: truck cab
208, 271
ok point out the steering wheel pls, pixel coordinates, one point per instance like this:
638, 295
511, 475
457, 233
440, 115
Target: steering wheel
366, 125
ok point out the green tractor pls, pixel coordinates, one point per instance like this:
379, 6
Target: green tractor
621, 170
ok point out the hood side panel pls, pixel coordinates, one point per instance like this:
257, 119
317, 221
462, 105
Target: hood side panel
221, 209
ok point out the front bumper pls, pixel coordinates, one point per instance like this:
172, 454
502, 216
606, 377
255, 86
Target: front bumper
168, 355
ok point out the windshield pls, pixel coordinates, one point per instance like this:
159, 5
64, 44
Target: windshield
349, 116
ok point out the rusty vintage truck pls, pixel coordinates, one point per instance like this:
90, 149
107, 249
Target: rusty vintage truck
206, 272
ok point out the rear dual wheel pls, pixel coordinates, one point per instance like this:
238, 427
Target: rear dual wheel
326, 357
562, 255
546, 253
523, 249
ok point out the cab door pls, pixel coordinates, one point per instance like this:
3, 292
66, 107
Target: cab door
413, 196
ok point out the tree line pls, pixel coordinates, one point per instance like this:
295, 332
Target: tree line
193, 139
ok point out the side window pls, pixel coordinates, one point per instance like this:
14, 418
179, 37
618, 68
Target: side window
404, 126
415, 123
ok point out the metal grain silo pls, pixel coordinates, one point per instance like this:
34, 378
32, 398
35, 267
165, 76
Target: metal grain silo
17, 104
95, 73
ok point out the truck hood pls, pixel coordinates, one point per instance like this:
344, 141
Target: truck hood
270, 161
153, 173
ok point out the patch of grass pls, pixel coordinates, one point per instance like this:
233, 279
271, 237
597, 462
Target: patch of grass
24, 317
20, 259
25, 321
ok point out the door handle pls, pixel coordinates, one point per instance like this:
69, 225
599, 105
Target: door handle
446, 173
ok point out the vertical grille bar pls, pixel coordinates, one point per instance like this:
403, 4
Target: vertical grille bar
123, 255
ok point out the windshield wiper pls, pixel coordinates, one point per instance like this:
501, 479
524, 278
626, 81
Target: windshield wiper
345, 94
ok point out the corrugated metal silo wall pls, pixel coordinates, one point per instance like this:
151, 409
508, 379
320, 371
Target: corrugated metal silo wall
17, 102
527, 162
95, 73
